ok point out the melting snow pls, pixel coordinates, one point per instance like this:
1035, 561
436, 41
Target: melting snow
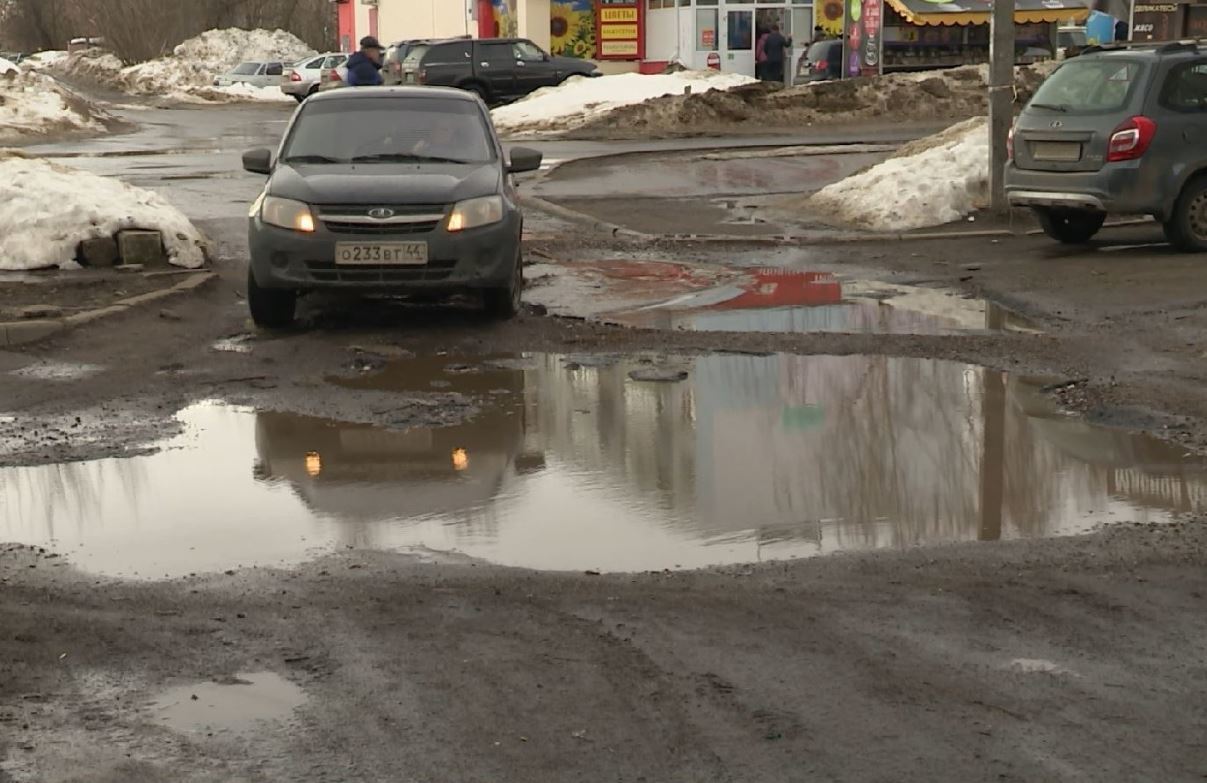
581, 98
46, 210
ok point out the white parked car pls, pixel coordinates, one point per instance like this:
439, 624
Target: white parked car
257, 74
302, 78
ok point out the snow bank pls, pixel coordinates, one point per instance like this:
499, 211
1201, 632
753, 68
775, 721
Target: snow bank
7, 67
242, 92
580, 98
32, 104
44, 59
195, 63
46, 210
931, 182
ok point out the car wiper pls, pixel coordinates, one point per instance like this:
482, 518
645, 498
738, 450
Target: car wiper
401, 157
1051, 107
311, 159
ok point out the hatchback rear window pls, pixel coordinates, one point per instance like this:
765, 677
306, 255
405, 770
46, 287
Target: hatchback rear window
385, 130
1088, 86
247, 69
414, 56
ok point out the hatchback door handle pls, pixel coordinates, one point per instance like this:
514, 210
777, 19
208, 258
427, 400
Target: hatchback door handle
484, 65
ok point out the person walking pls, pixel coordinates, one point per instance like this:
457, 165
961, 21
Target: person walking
364, 67
775, 50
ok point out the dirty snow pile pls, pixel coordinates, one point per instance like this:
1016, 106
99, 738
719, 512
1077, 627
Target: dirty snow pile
930, 182
580, 99
191, 68
32, 105
235, 92
46, 210
44, 59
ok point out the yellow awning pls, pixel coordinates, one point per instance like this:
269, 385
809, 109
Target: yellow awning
1074, 13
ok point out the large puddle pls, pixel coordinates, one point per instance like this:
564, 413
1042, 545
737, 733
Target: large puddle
781, 300
236, 705
572, 464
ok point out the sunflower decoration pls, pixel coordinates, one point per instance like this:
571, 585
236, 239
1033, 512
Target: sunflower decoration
572, 28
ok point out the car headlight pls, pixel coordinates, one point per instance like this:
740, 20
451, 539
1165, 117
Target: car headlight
287, 213
476, 212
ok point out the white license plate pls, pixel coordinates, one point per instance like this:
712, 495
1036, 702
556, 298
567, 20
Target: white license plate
1064, 151
384, 253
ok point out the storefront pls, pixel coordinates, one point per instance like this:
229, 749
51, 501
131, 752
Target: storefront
725, 31
1169, 21
921, 35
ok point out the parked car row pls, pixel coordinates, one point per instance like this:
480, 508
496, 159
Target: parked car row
497, 69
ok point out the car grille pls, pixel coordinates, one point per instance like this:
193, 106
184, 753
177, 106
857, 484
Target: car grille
329, 272
351, 219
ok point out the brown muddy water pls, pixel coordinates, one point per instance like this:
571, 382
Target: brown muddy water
571, 464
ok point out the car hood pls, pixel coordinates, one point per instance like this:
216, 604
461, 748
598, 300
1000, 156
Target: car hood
573, 64
394, 183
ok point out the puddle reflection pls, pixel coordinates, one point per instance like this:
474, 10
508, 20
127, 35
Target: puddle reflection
782, 300
572, 465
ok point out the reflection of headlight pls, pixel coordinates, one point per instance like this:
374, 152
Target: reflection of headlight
476, 212
287, 213
460, 459
314, 464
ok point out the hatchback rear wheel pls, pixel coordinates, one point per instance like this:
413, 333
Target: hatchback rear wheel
1186, 228
270, 307
1070, 226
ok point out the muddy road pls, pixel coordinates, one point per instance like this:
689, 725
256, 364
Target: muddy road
709, 510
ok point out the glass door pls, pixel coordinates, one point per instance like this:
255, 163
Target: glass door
739, 42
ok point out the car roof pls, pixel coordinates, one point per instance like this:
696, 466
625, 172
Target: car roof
1144, 51
364, 93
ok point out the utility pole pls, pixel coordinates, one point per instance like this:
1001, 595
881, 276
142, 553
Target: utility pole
1001, 98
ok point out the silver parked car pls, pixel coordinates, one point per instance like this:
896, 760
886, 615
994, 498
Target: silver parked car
1120, 129
257, 74
301, 79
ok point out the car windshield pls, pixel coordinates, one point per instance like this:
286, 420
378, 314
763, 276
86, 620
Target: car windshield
1089, 85
389, 130
246, 69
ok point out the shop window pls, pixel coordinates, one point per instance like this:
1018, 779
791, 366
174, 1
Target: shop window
1186, 88
706, 29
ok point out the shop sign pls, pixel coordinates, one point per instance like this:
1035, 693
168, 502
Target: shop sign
863, 37
620, 29
714, 61
1157, 22
708, 38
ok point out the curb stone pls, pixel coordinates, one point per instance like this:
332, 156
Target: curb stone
25, 332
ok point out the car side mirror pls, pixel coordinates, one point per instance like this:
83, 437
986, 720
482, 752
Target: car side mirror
545, 57
524, 159
258, 161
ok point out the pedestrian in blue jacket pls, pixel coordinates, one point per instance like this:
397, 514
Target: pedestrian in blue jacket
364, 67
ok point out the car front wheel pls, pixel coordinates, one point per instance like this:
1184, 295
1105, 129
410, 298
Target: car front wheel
1186, 229
505, 302
1070, 226
272, 308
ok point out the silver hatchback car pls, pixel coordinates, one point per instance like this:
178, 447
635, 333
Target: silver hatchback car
1117, 130
387, 190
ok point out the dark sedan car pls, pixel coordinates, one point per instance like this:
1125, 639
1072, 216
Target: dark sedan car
387, 190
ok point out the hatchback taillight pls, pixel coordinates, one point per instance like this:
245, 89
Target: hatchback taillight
294, 76
1131, 139
422, 77
1010, 145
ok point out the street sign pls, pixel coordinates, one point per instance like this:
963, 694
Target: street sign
714, 61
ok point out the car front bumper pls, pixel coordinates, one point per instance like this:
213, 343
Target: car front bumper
472, 259
1120, 188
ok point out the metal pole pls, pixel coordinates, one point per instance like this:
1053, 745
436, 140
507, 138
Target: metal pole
1001, 98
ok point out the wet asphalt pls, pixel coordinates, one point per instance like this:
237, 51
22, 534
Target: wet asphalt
770, 513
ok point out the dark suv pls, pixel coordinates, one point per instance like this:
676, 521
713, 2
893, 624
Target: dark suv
497, 69
1118, 129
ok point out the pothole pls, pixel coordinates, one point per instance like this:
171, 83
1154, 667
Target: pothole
241, 704
571, 464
